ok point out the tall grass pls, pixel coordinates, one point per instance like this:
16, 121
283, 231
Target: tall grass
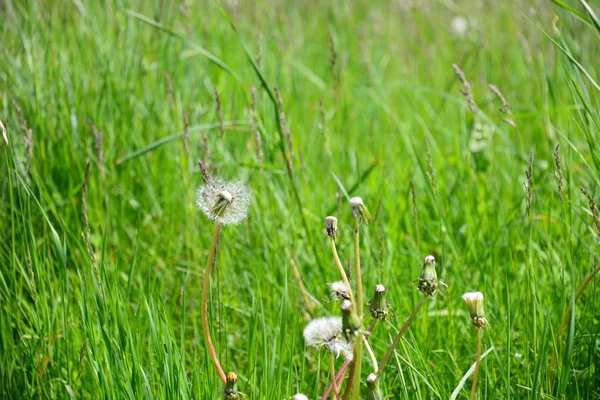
135, 69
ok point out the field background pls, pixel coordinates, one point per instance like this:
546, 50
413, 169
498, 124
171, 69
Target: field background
374, 106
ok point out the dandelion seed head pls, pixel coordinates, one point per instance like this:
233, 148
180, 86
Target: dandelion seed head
429, 260
339, 290
371, 378
380, 289
327, 332
474, 302
459, 25
225, 203
331, 224
299, 396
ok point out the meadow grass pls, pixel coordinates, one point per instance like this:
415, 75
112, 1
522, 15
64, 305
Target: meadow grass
375, 109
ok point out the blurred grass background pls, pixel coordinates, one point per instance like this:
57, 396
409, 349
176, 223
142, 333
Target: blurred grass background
374, 106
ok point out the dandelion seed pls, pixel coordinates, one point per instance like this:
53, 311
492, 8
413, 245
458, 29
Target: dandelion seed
225, 203
339, 290
359, 211
474, 302
327, 332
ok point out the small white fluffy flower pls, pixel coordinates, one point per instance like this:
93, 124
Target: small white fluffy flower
327, 332
225, 203
339, 290
459, 25
299, 396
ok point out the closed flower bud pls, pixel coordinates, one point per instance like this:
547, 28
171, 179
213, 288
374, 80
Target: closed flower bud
428, 282
351, 324
474, 302
378, 304
373, 389
359, 211
331, 224
231, 392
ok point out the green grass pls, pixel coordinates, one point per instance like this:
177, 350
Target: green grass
134, 330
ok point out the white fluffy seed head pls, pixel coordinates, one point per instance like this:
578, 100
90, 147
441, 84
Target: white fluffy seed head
474, 302
339, 290
429, 260
356, 202
299, 396
371, 378
346, 305
225, 203
331, 224
380, 289
459, 25
327, 332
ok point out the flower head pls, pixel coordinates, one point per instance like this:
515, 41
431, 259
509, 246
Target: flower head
474, 302
428, 282
373, 389
299, 396
351, 323
360, 211
339, 290
224, 202
231, 392
331, 226
378, 304
327, 332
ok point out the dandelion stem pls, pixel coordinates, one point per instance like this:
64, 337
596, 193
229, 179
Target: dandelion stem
334, 378
357, 363
338, 262
477, 364
370, 352
206, 287
387, 356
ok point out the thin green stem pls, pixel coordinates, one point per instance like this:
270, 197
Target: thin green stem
477, 364
340, 267
388, 355
370, 353
359, 310
206, 288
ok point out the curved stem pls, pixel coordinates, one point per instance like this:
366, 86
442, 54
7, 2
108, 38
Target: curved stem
359, 310
387, 356
340, 267
370, 353
205, 291
477, 363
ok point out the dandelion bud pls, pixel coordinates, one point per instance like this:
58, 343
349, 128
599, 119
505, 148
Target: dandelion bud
428, 283
359, 211
351, 324
474, 302
339, 290
331, 226
373, 389
378, 305
231, 392
299, 396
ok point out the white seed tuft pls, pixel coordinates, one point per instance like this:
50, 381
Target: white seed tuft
327, 332
225, 203
339, 290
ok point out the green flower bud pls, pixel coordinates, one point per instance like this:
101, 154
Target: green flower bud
351, 324
378, 304
373, 389
231, 392
428, 282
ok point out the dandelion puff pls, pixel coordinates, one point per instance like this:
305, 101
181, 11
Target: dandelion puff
327, 332
299, 396
225, 203
339, 290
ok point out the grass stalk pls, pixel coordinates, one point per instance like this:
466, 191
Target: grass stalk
390, 351
205, 291
342, 271
355, 373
